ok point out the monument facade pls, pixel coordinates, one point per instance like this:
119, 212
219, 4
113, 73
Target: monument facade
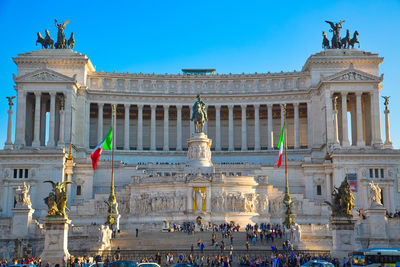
216, 159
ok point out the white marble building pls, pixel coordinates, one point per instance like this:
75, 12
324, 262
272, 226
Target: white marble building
153, 180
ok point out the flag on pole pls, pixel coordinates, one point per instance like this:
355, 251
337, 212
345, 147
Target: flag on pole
106, 144
281, 144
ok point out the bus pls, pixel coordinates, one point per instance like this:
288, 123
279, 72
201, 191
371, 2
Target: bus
376, 257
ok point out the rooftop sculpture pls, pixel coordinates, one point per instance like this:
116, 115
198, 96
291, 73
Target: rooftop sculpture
48, 43
337, 42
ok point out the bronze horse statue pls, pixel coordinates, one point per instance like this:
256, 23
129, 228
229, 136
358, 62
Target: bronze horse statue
354, 40
344, 42
198, 118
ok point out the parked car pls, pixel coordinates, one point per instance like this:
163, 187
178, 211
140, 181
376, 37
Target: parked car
148, 264
318, 263
123, 264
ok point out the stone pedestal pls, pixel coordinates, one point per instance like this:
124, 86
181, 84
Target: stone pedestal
56, 241
376, 217
343, 236
21, 221
199, 152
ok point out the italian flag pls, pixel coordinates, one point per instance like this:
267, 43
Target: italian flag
281, 144
106, 145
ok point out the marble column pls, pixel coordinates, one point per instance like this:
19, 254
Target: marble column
360, 135
153, 128
61, 141
257, 146
191, 124
9, 144
345, 132
230, 128
179, 127
126, 127
87, 124
100, 122
21, 119
166, 128
328, 117
52, 119
376, 125
244, 127
218, 128
328, 182
270, 127
36, 140
335, 126
296, 126
388, 141
140, 128
309, 125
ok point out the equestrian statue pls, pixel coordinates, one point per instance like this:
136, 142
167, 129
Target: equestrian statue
199, 115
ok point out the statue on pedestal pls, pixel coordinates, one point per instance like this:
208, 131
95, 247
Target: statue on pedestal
343, 200
199, 115
57, 199
375, 197
22, 198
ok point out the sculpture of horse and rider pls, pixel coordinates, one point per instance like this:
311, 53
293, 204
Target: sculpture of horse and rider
199, 115
336, 41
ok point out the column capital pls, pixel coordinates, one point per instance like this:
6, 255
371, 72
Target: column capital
52, 93
230, 106
178, 107
140, 106
243, 106
166, 106
37, 94
153, 106
217, 107
127, 106
256, 106
358, 93
269, 105
344, 93
100, 104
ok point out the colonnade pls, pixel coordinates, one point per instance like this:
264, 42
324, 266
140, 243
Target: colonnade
364, 115
217, 127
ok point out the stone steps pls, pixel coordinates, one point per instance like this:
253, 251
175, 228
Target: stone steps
180, 240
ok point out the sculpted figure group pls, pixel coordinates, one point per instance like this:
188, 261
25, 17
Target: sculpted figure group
336, 41
48, 43
343, 200
57, 199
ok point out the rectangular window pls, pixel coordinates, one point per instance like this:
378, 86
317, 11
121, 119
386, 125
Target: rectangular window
78, 190
371, 173
382, 174
15, 173
20, 173
376, 173
26, 176
319, 190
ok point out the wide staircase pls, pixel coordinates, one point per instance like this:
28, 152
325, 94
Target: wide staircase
184, 241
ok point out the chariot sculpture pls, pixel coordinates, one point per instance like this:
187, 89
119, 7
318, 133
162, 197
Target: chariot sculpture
48, 43
337, 42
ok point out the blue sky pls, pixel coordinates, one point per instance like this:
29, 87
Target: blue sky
231, 36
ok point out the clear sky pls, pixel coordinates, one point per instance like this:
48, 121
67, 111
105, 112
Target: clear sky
230, 36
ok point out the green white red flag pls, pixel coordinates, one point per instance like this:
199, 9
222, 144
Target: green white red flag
281, 144
106, 144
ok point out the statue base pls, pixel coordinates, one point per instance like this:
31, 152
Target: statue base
343, 236
56, 241
199, 151
376, 218
21, 221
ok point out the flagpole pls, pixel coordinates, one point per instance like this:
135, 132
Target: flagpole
287, 199
112, 199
